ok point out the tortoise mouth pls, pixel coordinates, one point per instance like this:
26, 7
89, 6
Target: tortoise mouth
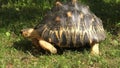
25, 33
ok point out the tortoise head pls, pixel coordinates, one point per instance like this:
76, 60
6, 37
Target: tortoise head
29, 33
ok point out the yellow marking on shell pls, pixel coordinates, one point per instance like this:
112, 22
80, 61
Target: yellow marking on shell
72, 29
44, 31
69, 14
91, 31
50, 33
57, 19
93, 20
81, 37
74, 1
61, 31
93, 34
67, 30
58, 3
56, 33
81, 15
91, 26
73, 35
90, 38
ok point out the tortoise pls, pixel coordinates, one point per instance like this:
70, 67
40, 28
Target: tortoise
70, 25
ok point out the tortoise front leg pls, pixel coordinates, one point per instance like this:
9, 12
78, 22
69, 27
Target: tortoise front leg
47, 46
95, 49
35, 42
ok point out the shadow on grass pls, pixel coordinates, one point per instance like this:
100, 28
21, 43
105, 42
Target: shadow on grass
27, 47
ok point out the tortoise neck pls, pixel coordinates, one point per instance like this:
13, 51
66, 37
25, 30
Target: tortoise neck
35, 34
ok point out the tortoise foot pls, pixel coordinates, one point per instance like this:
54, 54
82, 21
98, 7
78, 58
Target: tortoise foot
47, 46
95, 49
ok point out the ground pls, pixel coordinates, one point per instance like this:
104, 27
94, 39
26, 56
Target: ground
18, 52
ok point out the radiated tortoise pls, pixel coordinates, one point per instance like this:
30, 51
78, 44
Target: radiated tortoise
71, 24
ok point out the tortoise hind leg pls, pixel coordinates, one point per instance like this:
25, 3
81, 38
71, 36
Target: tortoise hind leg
47, 46
95, 49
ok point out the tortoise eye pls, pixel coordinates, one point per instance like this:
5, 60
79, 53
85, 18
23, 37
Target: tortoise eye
25, 34
21, 32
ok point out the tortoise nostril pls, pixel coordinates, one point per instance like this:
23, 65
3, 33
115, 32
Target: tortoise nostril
21, 32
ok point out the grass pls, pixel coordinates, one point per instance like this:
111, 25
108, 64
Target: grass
17, 52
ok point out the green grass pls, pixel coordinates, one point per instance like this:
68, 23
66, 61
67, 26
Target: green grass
17, 52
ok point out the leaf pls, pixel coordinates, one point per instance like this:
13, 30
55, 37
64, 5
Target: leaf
7, 34
17, 9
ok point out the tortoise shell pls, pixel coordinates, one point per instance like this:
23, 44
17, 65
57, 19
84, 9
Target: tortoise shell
71, 25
